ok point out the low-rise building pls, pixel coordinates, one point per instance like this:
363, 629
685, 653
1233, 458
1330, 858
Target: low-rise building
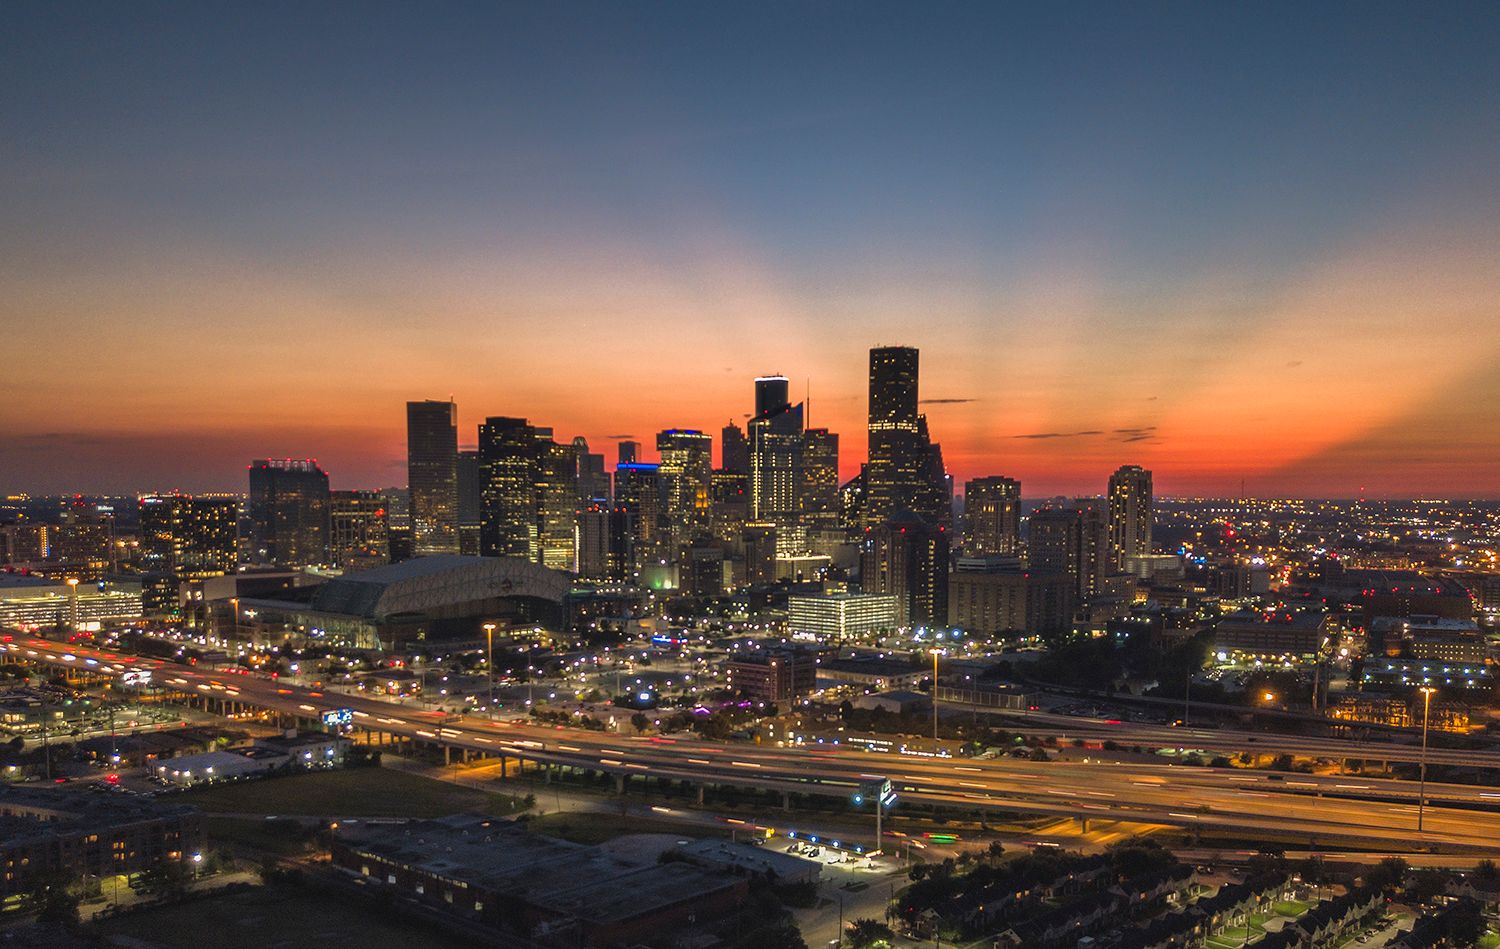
772, 675
1273, 635
871, 672
543, 891
46, 834
896, 701
749, 860
289, 752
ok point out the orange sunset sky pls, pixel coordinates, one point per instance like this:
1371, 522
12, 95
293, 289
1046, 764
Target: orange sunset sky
1112, 242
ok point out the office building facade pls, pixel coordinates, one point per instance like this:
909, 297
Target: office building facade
288, 512
432, 476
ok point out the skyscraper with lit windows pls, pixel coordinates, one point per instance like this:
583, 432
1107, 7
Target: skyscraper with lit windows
432, 476
905, 469
686, 469
992, 516
1129, 514
288, 512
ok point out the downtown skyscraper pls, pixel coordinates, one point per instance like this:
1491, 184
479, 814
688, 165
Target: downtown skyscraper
992, 517
289, 512
905, 469
1129, 514
528, 493
432, 476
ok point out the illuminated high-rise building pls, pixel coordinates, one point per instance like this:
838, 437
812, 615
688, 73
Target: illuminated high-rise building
760, 553
729, 493
528, 493
593, 543
189, 537
288, 512
507, 466
432, 476
638, 528
556, 497
775, 436
992, 516
685, 469
1071, 538
1129, 514
359, 530
907, 556
905, 469
184, 540
820, 478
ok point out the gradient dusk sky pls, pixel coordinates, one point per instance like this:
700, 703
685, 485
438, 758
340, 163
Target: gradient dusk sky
1252, 241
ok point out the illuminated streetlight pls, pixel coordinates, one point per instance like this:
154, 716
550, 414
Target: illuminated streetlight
489, 639
1426, 691
935, 654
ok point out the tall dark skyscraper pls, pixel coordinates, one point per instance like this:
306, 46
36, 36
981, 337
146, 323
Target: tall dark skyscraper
470, 502
1129, 514
288, 511
992, 516
908, 556
593, 479
734, 450
627, 452
904, 472
772, 395
432, 476
1071, 538
507, 488
893, 388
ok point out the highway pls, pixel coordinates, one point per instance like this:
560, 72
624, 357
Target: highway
1372, 813
1231, 741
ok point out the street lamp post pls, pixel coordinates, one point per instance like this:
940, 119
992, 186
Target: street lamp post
73, 603
935, 654
1426, 691
489, 665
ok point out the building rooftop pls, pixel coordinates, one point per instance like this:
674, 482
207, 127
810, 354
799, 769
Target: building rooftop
566, 877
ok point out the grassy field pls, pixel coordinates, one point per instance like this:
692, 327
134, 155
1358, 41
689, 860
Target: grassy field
357, 792
271, 918
1489, 941
1291, 908
595, 828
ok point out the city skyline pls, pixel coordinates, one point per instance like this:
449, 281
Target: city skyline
1231, 246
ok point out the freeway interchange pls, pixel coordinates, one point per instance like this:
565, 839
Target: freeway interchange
1313, 810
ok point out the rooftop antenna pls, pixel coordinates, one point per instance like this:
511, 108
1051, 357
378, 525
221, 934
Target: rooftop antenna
807, 406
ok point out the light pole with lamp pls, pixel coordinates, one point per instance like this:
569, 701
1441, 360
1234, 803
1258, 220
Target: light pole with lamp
489, 665
935, 654
1426, 691
73, 604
